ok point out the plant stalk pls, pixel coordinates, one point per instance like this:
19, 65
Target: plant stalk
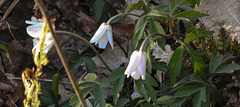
61, 55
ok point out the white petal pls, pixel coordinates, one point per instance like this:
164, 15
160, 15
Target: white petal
31, 22
34, 19
36, 48
132, 66
142, 65
35, 41
109, 34
103, 41
48, 46
35, 31
135, 75
99, 33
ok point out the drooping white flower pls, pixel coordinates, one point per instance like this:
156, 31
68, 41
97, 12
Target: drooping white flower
35, 31
137, 65
103, 35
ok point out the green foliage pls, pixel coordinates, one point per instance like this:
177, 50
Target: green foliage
3, 49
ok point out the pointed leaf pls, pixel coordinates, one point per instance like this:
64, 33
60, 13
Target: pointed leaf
117, 73
190, 14
197, 61
228, 68
214, 63
186, 91
90, 65
197, 34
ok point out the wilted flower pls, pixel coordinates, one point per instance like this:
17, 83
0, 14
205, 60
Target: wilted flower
103, 35
137, 65
35, 31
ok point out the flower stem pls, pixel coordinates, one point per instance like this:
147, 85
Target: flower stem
120, 14
75, 35
145, 40
61, 55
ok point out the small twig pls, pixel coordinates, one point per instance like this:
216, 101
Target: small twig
9, 9
120, 47
9, 28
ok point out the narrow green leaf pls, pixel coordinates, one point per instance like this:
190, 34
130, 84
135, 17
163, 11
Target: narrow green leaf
3, 48
91, 77
197, 61
228, 68
176, 62
117, 73
122, 102
55, 86
150, 91
131, 7
186, 91
76, 60
155, 13
90, 65
117, 86
151, 80
214, 63
226, 57
100, 94
197, 100
162, 66
190, 14
139, 30
174, 5
98, 8
197, 34
155, 27
1, 66
177, 103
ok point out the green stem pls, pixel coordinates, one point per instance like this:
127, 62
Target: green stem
120, 14
86, 41
145, 40
61, 55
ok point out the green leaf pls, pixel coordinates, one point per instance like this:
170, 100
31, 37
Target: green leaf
163, 9
190, 14
98, 8
117, 73
177, 103
149, 61
186, 91
139, 31
157, 14
197, 34
91, 77
176, 63
85, 91
199, 97
90, 65
151, 80
194, 2
76, 60
105, 82
55, 86
226, 57
100, 94
214, 63
155, 27
131, 7
117, 86
197, 61
162, 66
150, 91
122, 102
175, 4
228, 68
3, 48
147, 104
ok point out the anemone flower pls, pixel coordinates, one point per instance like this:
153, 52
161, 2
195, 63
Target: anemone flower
35, 31
137, 65
103, 35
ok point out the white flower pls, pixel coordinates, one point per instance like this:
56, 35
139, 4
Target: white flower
137, 65
103, 35
35, 31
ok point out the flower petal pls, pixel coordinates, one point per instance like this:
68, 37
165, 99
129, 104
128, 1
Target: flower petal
132, 66
109, 34
35, 31
135, 74
103, 41
142, 65
99, 33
